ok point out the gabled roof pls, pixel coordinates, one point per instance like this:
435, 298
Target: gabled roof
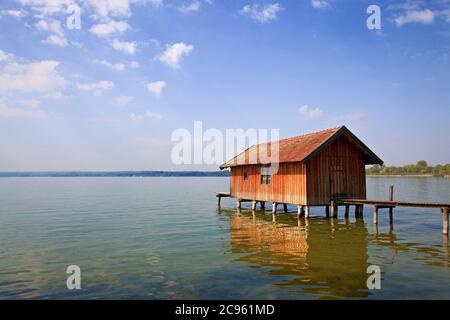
301, 148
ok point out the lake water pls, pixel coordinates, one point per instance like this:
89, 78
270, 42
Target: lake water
162, 238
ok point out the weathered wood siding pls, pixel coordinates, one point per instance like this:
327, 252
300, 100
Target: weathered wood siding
287, 186
337, 171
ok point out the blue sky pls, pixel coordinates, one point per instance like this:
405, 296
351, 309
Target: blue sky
109, 95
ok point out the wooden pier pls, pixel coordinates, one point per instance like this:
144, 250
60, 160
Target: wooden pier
303, 210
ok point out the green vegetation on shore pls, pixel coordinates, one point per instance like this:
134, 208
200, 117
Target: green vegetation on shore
420, 168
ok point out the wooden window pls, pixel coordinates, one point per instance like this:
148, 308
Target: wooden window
266, 177
245, 176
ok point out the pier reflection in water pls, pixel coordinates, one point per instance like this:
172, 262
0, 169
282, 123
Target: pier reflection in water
323, 257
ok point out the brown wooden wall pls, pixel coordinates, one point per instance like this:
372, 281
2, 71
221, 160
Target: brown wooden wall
287, 186
339, 171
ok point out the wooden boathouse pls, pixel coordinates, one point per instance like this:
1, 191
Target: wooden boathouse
324, 168
313, 170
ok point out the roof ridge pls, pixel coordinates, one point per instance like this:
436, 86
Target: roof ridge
302, 135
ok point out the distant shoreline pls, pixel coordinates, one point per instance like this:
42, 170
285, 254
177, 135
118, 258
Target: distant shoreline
112, 174
406, 176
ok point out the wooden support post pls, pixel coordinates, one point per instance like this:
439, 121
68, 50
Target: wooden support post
218, 201
391, 209
253, 205
356, 211
334, 210
347, 210
299, 211
327, 211
445, 221
375, 214
238, 204
307, 212
285, 208
274, 207
263, 205
361, 210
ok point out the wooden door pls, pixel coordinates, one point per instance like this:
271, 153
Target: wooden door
337, 178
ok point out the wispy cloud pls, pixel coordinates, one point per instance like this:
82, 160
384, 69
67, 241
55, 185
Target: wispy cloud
124, 100
38, 77
156, 87
418, 16
128, 47
145, 115
115, 8
175, 53
16, 13
109, 28
309, 112
261, 13
97, 87
114, 66
319, 4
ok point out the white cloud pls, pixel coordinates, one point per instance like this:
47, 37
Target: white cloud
52, 26
156, 87
6, 56
124, 100
117, 66
97, 87
261, 13
109, 28
193, 6
39, 76
310, 113
124, 46
319, 4
116, 8
419, 16
16, 13
56, 40
146, 115
446, 14
7, 111
174, 54
47, 7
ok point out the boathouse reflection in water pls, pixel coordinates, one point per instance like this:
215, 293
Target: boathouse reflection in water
324, 257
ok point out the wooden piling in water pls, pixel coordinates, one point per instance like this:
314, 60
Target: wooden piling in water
327, 211
253, 205
263, 205
391, 209
375, 214
347, 210
445, 221
299, 211
274, 207
306, 212
285, 207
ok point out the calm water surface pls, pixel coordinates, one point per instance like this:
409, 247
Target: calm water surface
162, 238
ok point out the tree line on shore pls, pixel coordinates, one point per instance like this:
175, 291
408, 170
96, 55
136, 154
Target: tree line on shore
420, 168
